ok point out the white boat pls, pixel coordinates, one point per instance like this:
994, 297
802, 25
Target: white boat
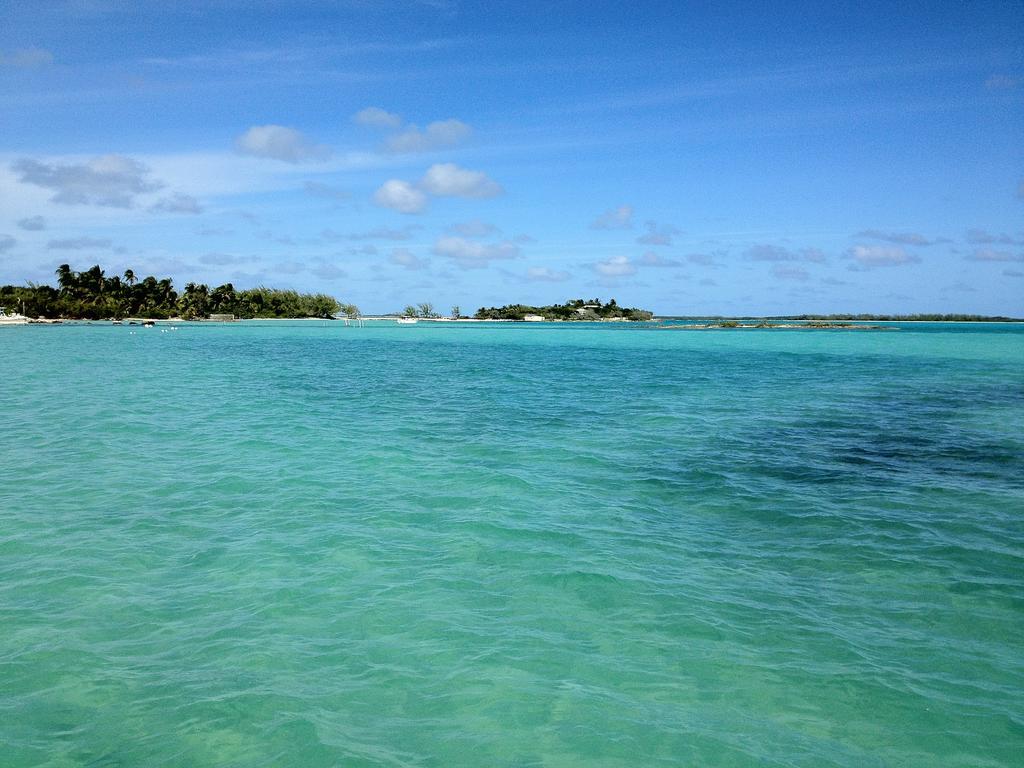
406, 320
13, 319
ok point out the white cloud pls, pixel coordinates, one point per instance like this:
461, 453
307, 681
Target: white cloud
278, 142
769, 253
782, 272
440, 180
27, 58
900, 238
870, 256
546, 275
615, 218
777, 253
982, 237
616, 266
657, 235
470, 254
400, 196
960, 286
225, 259
473, 228
990, 254
325, 270
177, 204
79, 244
32, 223
405, 258
288, 268
703, 259
652, 259
437, 135
449, 180
270, 236
6, 243
375, 117
381, 233
111, 180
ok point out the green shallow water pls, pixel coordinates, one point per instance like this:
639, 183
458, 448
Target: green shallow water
296, 545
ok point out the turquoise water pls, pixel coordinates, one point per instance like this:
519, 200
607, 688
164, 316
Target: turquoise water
291, 544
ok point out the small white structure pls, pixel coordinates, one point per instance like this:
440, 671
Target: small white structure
12, 319
533, 319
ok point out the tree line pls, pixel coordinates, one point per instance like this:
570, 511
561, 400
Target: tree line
93, 295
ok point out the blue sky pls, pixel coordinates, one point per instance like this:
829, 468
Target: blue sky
745, 158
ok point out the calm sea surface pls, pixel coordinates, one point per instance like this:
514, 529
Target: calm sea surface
301, 544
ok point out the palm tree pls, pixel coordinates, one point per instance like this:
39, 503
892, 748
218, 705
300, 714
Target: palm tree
129, 277
194, 301
93, 279
223, 297
147, 294
65, 278
167, 294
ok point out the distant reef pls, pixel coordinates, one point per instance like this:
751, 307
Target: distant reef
916, 318
806, 325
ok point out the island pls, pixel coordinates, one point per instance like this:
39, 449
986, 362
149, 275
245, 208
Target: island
574, 310
93, 295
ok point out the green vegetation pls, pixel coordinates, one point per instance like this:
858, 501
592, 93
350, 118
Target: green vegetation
91, 295
577, 309
424, 310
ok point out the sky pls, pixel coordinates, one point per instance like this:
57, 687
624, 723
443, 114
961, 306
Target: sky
689, 158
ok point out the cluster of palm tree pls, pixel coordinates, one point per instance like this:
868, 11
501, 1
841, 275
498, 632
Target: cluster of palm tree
198, 301
94, 295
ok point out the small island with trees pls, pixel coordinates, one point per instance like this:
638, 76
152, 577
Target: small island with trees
93, 295
574, 310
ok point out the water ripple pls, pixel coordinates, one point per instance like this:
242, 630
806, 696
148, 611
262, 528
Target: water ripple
284, 544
